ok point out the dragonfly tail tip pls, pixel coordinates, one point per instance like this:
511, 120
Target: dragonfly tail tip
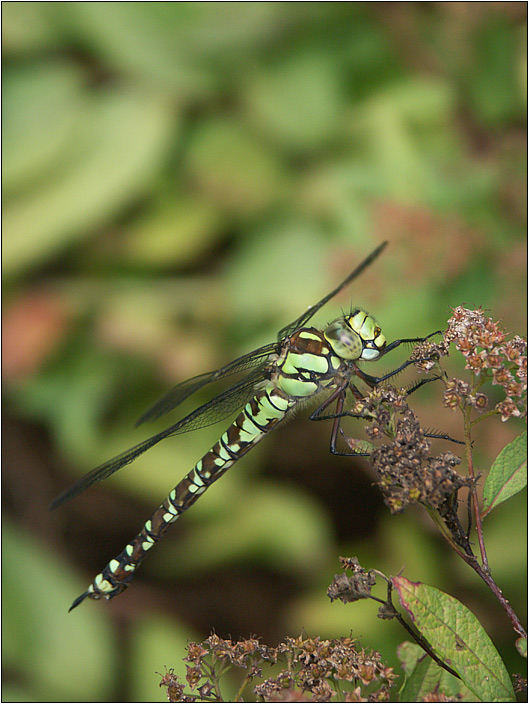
78, 601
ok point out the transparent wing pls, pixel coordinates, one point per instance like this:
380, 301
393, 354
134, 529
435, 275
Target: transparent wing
211, 412
307, 315
180, 392
219, 407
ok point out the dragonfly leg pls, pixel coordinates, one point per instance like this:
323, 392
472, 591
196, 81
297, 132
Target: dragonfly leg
372, 381
432, 434
417, 385
339, 397
396, 343
442, 436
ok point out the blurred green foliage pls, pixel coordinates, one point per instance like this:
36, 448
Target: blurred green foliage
180, 181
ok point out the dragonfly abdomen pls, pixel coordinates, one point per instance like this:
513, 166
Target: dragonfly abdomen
260, 415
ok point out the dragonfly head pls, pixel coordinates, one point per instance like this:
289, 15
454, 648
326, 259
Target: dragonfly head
355, 336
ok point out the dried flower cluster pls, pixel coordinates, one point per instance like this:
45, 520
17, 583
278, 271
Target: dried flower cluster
175, 689
488, 355
353, 588
238, 653
520, 683
315, 665
426, 355
405, 470
314, 668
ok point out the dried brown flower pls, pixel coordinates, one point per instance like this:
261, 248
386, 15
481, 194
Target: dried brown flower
315, 665
488, 352
193, 676
175, 689
353, 588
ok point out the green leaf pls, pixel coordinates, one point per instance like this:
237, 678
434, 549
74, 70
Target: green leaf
424, 676
508, 474
182, 49
69, 653
233, 168
42, 106
458, 638
177, 229
115, 147
299, 102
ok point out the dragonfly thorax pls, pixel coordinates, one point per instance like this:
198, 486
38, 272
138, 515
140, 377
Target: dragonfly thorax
355, 336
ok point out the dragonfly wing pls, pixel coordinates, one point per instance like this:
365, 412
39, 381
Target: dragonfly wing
174, 397
179, 393
209, 413
307, 315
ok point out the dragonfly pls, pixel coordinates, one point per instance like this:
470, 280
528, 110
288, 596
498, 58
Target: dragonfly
280, 377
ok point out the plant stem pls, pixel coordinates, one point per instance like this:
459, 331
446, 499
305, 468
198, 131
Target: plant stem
471, 560
245, 681
488, 414
473, 490
487, 578
425, 645
215, 678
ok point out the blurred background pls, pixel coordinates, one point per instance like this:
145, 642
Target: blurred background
181, 180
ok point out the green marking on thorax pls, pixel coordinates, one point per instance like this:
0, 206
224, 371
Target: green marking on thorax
309, 335
297, 387
314, 363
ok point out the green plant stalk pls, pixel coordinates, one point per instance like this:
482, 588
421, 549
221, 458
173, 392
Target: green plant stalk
470, 559
488, 414
246, 680
215, 677
475, 504
337, 688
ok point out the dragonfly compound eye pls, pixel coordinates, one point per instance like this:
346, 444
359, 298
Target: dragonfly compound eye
345, 342
367, 331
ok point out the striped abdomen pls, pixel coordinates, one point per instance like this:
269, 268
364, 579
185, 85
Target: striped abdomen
259, 416
304, 366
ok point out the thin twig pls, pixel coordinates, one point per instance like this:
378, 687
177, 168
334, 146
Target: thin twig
473, 490
487, 578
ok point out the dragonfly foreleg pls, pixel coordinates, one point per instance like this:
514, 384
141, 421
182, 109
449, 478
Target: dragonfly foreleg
396, 343
372, 381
